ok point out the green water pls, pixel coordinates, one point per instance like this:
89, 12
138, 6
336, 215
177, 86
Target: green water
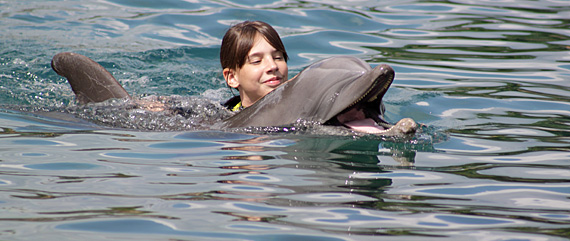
488, 80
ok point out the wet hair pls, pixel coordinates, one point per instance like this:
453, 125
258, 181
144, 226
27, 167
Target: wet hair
239, 40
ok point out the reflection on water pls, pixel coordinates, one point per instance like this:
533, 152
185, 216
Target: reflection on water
486, 79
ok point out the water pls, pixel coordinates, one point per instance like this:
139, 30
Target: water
488, 79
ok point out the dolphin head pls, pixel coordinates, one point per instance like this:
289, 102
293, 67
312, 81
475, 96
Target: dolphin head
341, 91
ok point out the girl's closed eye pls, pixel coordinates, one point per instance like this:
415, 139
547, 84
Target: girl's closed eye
254, 60
278, 56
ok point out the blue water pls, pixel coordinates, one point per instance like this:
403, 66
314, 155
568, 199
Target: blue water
488, 80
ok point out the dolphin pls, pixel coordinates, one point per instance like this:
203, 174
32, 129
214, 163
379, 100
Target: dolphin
339, 91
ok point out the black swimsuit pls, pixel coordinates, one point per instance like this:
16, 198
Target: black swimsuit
233, 104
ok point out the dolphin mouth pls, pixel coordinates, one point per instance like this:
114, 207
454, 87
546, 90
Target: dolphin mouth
366, 113
367, 118
360, 123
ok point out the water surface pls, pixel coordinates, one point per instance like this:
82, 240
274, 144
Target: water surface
487, 79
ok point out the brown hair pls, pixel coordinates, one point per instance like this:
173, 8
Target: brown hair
238, 40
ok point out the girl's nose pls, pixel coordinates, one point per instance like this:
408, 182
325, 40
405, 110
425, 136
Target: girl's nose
271, 65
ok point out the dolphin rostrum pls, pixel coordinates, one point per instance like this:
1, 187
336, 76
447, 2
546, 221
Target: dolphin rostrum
341, 91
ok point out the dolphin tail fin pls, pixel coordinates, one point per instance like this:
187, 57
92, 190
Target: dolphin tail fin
90, 81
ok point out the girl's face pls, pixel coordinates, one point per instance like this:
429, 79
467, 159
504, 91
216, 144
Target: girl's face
264, 69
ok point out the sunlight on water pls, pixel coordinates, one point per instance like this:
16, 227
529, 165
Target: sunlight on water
487, 81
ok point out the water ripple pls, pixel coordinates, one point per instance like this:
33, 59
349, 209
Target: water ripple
486, 80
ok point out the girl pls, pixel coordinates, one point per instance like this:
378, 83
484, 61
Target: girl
254, 62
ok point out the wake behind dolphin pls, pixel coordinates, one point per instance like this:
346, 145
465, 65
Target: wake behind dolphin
340, 91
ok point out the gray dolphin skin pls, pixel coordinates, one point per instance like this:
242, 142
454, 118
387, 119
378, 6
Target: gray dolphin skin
322, 92
341, 91
90, 81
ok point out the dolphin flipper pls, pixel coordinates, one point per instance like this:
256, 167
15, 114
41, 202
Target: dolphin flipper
90, 81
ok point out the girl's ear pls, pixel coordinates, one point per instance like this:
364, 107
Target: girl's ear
231, 77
